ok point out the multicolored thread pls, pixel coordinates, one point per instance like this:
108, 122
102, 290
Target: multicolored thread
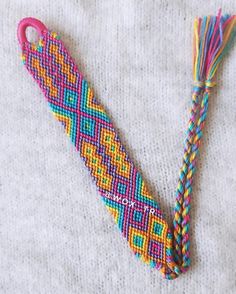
121, 186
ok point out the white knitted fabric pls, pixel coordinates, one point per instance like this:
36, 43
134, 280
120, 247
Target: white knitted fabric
56, 235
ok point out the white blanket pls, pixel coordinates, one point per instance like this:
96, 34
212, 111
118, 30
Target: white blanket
56, 235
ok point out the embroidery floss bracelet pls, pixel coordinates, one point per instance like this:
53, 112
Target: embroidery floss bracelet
120, 184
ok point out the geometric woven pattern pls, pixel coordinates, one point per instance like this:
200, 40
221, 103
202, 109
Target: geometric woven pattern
121, 186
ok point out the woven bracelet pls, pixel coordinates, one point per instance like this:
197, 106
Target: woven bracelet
120, 184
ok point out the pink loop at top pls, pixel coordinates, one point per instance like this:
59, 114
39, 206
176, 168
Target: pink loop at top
29, 22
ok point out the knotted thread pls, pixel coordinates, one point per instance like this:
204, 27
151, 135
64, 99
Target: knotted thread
199, 86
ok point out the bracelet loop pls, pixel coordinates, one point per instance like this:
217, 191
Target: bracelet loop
29, 22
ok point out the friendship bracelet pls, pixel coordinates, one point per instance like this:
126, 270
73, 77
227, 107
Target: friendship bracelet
120, 184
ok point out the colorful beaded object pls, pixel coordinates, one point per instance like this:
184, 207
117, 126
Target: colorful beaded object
122, 188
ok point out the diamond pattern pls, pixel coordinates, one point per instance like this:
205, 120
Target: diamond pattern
121, 186
70, 98
87, 126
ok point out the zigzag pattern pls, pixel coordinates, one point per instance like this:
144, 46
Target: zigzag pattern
122, 188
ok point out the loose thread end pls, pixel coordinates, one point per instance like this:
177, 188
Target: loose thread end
213, 37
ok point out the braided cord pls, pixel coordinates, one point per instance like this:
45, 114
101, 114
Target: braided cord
213, 37
178, 210
189, 180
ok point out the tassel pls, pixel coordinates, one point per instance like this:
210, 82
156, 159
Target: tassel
213, 38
